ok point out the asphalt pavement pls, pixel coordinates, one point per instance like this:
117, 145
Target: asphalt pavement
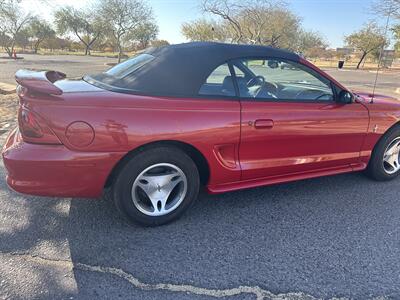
72, 65
329, 237
387, 82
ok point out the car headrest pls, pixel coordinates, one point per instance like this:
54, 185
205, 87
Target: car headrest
227, 84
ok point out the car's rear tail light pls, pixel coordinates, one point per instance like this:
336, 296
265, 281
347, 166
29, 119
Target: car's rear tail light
33, 128
28, 125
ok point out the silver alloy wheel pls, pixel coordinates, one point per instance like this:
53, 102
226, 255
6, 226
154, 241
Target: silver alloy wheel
391, 157
159, 189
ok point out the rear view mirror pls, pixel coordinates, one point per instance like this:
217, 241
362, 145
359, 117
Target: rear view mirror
346, 97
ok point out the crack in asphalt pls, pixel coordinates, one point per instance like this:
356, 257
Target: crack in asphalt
190, 289
258, 292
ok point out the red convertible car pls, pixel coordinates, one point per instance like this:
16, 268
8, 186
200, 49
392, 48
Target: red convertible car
160, 125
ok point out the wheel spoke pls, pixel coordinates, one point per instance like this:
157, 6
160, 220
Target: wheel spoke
169, 187
393, 148
163, 203
147, 187
153, 202
392, 160
158, 182
396, 161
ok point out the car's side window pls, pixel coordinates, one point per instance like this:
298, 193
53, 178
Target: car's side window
219, 83
238, 72
275, 79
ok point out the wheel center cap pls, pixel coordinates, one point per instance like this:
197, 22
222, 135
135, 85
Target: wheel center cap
158, 188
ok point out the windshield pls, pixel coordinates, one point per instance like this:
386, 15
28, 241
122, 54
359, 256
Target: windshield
122, 74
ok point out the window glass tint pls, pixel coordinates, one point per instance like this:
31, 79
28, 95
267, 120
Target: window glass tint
219, 83
281, 80
238, 72
127, 67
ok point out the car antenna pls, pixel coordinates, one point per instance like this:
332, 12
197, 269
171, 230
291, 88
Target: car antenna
381, 53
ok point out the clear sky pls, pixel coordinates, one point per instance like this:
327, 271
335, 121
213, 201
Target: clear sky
332, 18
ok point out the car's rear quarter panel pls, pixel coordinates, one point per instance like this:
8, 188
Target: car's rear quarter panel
124, 122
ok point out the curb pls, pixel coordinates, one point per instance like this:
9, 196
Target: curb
6, 88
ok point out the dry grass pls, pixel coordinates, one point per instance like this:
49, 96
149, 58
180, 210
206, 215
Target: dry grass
8, 112
348, 64
95, 53
81, 53
352, 64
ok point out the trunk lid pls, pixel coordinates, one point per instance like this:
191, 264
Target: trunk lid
76, 86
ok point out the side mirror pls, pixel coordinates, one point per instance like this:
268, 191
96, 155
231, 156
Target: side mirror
273, 64
346, 97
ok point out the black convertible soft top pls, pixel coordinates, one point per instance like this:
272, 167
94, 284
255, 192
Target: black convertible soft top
180, 70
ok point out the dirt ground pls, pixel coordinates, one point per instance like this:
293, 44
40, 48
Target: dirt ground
8, 112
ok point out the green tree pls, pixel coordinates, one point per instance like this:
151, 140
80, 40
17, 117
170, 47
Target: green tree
22, 39
40, 30
387, 8
311, 44
84, 24
159, 43
269, 24
367, 40
228, 11
203, 30
55, 42
396, 33
13, 20
264, 22
122, 17
143, 34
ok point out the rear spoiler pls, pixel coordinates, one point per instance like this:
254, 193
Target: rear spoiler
40, 81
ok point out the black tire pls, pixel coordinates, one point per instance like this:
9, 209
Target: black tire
122, 186
376, 169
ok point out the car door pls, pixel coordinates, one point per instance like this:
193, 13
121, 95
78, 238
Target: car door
291, 123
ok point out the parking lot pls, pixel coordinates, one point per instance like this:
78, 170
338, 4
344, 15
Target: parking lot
326, 238
72, 65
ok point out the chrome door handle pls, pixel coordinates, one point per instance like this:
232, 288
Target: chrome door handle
263, 124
